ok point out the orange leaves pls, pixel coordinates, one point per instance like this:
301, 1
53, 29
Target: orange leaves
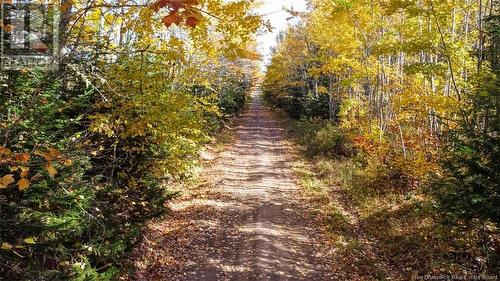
172, 18
5, 155
180, 11
23, 184
174, 5
66, 6
51, 170
22, 157
51, 154
4, 151
6, 180
24, 172
193, 20
19, 166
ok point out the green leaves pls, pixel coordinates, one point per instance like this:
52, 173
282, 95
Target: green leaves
30, 240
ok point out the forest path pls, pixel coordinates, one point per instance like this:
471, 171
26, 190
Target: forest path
249, 222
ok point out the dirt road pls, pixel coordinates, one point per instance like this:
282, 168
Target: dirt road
249, 222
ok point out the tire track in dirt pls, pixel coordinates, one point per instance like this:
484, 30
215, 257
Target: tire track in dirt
248, 223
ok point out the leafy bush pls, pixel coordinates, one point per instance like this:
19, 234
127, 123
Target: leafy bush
44, 217
81, 172
299, 105
233, 98
387, 170
322, 138
390, 176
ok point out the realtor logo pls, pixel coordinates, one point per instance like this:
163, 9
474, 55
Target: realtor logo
28, 35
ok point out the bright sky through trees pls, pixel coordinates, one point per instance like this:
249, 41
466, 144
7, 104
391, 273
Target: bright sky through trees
277, 16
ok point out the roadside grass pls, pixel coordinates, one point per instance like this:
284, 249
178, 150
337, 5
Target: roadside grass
340, 226
404, 230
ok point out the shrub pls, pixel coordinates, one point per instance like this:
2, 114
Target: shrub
299, 105
58, 207
232, 99
322, 138
93, 170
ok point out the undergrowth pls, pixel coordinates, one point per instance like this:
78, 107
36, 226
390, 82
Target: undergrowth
405, 223
90, 173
